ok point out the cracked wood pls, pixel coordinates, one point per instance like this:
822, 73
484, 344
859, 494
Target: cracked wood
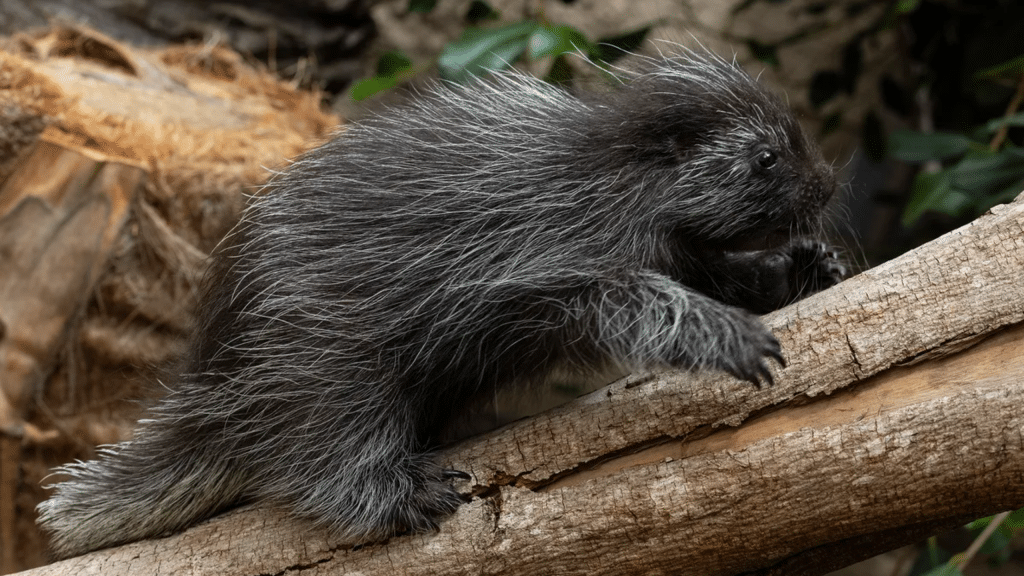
899, 409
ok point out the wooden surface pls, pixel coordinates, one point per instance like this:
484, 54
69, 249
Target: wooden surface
677, 473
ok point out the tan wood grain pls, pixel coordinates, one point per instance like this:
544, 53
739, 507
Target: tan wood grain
698, 474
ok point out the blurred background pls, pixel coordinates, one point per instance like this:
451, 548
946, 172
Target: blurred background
888, 87
917, 102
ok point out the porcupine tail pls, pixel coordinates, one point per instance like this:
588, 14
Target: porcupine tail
134, 491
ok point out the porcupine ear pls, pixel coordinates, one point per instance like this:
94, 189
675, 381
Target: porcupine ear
683, 145
666, 123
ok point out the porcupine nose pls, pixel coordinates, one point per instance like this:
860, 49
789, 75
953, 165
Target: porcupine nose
814, 192
821, 186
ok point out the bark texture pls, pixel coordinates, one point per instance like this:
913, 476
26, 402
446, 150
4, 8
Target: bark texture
898, 414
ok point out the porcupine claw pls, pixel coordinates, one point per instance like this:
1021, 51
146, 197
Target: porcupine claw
450, 474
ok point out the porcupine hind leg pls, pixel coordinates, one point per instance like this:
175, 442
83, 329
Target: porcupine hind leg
370, 481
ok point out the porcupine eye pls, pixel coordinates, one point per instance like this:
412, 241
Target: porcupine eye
765, 159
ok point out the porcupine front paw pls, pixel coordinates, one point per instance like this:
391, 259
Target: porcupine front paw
776, 278
815, 267
726, 338
655, 321
745, 348
432, 499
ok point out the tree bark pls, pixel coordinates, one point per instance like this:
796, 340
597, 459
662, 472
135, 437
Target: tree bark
898, 413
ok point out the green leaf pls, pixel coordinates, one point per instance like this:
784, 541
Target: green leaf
557, 40
944, 570
952, 204
929, 191
392, 67
984, 172
911, 146
391, 64
1012, 69
560, 72
1013, 120
906, 6
979, 524
996, 542
421, 6
482, 50
1015, 519
979, 181
933, 557
363, 89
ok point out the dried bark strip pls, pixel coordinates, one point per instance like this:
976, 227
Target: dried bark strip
120, 169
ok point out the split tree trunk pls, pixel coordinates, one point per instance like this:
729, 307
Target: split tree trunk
120, 169
898, 415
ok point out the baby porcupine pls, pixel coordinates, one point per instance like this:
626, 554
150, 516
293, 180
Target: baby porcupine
481, 236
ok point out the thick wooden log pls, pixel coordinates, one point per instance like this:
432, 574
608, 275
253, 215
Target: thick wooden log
899, 411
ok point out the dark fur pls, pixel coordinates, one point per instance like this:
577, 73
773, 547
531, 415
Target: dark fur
479, 237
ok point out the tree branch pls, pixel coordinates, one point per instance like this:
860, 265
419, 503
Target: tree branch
898, 412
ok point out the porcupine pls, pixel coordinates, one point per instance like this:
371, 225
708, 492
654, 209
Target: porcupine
479, 237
